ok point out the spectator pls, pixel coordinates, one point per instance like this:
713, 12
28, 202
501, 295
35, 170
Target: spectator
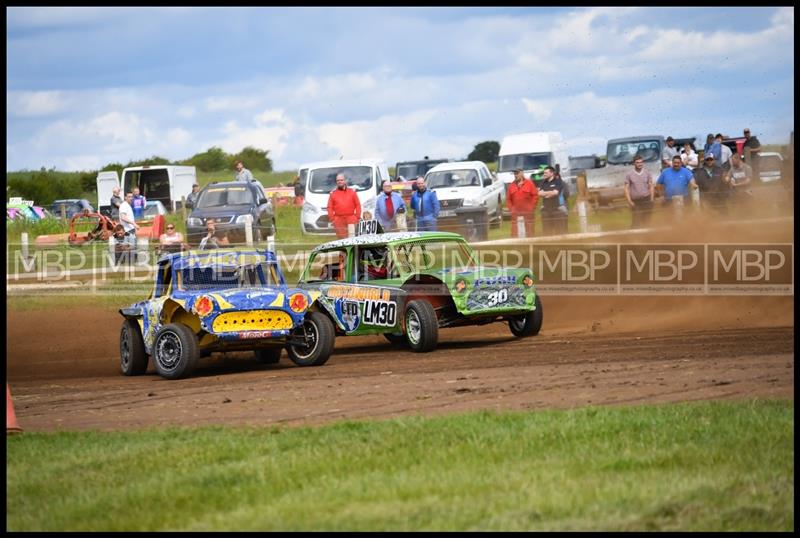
213, 238
191, 200
688, 156
521, 199
425, 204
116, 200
127, 219
171, 240
715, 148
299, 192
709, 143
389, 208
554, 208
676, 181
344, 207
725, 153
753, 146
138, 203
242, 173
669, 150
122, 245
740, 176
640, 192
713, 183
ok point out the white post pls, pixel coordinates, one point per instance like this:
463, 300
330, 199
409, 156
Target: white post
521, 227
24, 241
582, 218
696, 197
111, 252
271, 243
248, 230
351, 230
143, 244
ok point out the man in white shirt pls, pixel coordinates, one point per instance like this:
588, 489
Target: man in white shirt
127, 220
725, 156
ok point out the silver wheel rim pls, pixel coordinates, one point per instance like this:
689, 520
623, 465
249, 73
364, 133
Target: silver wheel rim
125, 348
518, 322
413, 327
168, 351
311, 334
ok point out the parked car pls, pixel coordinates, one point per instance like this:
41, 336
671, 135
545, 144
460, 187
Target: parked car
153, 208
770, 166
408, 285
222, 300
71, 207
364, 176
411, 169
229, 204
466, 186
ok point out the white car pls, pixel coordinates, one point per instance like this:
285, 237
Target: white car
466, 184
770, 166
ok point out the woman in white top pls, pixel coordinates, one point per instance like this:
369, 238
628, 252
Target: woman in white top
689, 157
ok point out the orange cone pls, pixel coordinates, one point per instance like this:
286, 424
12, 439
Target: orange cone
11, 418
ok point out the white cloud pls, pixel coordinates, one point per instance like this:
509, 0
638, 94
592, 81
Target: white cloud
540, 111
35, 104
229, 104
186, 112
83, 163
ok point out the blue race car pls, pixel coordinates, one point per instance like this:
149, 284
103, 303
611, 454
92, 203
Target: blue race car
221, 300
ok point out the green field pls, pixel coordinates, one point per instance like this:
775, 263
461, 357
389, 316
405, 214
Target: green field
717, 466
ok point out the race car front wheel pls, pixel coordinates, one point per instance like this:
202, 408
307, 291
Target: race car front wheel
132, 357
528, 324
312, 343
422, 327
175, 351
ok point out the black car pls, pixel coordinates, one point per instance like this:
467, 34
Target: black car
228, 205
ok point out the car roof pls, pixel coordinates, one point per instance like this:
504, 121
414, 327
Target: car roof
343, 163
458, 165
230, 183
381, 239
198, 258
635, 138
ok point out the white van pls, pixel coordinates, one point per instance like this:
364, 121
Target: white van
365, 176
167, 184
531, 152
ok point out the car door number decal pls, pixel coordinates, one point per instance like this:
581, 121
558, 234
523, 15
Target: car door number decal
382, 313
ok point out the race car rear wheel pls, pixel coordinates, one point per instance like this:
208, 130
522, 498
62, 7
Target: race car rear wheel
422, 327
528, 324
316, 338
175, 351
270, 355
132, 357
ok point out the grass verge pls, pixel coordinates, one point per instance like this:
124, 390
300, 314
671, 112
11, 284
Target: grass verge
698, 466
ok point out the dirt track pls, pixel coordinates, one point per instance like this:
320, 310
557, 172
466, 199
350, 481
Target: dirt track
64, 374
72, 382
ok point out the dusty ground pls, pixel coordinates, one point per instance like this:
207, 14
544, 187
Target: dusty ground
64, 374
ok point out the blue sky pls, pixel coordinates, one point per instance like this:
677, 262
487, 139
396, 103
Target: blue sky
90, 86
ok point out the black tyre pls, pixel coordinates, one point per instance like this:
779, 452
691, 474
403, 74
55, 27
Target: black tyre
528, 324
175, 351
396, 339
270, 355
422, 327
318, 335
132, 357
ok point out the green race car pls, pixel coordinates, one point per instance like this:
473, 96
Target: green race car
407, 285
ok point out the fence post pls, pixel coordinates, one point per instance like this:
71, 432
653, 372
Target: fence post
583, 220
183, 207
248, 230
24, 245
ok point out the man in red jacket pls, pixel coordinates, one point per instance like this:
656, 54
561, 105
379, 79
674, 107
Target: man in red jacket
343, 207
521, 199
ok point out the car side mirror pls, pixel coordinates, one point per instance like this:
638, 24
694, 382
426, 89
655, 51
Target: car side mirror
263, 201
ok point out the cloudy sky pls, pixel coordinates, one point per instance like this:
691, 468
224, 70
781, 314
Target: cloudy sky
90, 86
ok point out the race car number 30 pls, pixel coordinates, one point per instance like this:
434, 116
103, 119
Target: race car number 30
498, 297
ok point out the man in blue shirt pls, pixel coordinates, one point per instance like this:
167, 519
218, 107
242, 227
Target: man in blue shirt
138, 203
676, 180
425, 204
387, 207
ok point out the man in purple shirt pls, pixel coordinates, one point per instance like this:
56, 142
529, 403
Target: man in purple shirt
640, 191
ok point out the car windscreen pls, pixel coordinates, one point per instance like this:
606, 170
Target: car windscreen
582, 163
466, 177
229, 277
433, 255
410, 171
524, 161
223, 196
624, 151
323, 180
